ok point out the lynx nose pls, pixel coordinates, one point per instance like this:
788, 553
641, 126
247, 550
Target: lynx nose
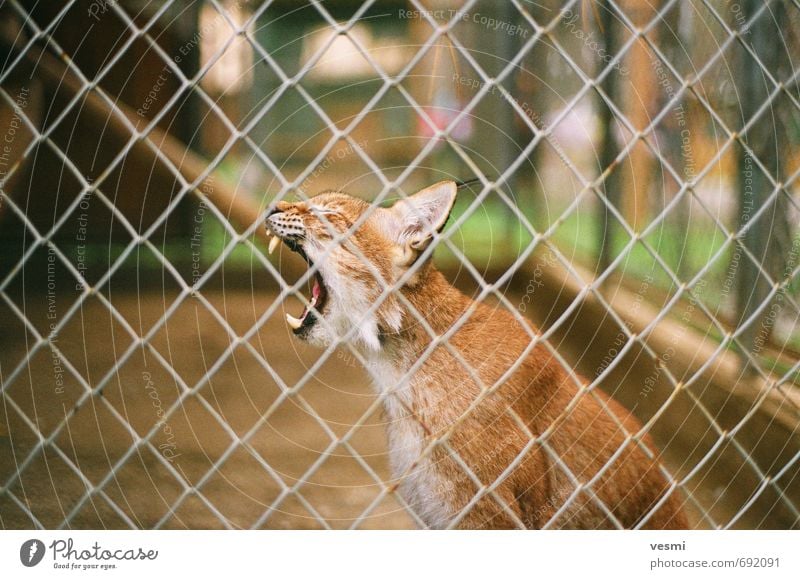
273, 225
276, 214
284, 221
278, 207
272, 219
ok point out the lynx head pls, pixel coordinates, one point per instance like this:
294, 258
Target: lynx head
359, 252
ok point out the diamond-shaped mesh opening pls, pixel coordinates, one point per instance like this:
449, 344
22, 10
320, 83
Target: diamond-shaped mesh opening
341, 476
144, 488
48, 475
291, 440
292, 513
194, 513
45, 269
18, 439
633, 196
291, 113
45, 389
731, 490
254, 493
14, 352
236, 401
19, 516
197, 429
93, 419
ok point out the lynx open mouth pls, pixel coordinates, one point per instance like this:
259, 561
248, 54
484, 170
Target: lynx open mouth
319, 293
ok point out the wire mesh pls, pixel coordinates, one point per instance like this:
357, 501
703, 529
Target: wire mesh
94, 483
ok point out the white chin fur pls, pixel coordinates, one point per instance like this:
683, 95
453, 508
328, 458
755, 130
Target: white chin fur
366, 335
317, 336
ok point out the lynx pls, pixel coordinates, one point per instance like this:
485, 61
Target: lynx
486, 428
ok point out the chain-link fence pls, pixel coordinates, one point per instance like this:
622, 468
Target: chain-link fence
632, 192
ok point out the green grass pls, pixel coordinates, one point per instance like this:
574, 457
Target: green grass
493, 235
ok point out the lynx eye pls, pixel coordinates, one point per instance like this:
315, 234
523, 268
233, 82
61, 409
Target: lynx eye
323, 211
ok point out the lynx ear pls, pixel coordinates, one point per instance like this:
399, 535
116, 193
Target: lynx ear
418, 217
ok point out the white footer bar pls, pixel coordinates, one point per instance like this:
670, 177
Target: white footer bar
401, 554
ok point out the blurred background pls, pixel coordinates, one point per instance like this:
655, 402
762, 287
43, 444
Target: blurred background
636, 196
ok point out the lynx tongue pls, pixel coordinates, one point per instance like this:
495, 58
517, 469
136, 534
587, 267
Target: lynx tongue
316, 295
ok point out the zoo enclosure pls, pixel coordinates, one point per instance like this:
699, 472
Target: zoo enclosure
171, 128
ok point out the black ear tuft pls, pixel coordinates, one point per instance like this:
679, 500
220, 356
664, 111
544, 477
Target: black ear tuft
467, 184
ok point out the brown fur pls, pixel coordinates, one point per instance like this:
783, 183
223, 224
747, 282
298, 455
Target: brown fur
488, 438
539, 391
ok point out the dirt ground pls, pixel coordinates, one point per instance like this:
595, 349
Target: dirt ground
244, 396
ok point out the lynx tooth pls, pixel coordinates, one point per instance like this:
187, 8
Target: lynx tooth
273, 243
294, 323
